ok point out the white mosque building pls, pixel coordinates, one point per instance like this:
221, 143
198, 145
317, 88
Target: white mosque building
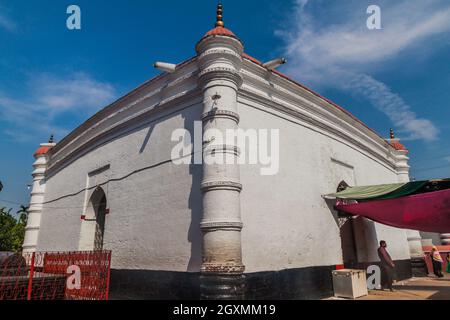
182, 228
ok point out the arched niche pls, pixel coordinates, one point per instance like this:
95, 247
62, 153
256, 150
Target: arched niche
93, 225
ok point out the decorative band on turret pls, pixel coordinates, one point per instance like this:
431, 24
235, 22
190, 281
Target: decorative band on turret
212, 54
222, 225
224, 148
28, 246
414, 238
219, 70
216, 268
214, 73
31, 228
445, 238
221, 114
221, 185
36, 193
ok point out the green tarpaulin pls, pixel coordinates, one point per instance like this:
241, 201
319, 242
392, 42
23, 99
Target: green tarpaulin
405, 190
382, 191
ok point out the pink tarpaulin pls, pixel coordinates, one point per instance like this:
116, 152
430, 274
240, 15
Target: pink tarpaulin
425, 212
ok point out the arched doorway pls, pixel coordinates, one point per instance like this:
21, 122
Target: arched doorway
93, 226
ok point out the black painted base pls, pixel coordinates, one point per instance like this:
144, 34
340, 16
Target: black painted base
222, 287
419, 267
153, 285
403, 268
301, 283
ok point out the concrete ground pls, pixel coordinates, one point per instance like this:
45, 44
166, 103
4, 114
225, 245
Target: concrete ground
430, 288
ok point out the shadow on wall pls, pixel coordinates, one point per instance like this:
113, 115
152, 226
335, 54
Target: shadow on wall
330, 203
195, 202
358, 237
147, 137
194, 235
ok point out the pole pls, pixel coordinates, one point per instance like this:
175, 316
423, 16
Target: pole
108, 277
30, 280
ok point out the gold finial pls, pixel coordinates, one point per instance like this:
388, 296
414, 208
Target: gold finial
392, 133
219, 22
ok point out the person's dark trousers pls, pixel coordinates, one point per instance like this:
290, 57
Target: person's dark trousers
387, 276
437, 268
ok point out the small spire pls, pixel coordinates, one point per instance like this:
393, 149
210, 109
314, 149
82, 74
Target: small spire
219, 21
50, 140
391, 132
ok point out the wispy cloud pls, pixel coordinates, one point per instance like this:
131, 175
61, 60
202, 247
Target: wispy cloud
341, 52
6, 22
80, 90
47, 97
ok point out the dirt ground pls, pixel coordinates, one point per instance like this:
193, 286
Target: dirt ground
430, 288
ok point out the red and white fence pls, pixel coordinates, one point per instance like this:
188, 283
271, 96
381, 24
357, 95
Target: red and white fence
81, 275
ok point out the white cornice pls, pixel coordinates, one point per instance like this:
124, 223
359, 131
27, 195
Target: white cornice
151, 99
290, 98
308, 121
131, 124
259, 85
162, 85
274, 84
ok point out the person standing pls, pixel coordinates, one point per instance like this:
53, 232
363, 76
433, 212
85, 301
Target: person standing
437, 261
387, 267
448, 262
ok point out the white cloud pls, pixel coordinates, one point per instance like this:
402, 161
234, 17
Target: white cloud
5, 22
80, 90
341, 53
391, 104
47, 97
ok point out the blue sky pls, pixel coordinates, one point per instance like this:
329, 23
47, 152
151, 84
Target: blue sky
52, 79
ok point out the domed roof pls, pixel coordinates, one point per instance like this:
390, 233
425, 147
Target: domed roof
42, 150
395, 143
398, 146
44, 147
220, 31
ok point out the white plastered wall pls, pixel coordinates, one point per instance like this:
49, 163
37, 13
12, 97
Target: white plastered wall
287, 224
154, 215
